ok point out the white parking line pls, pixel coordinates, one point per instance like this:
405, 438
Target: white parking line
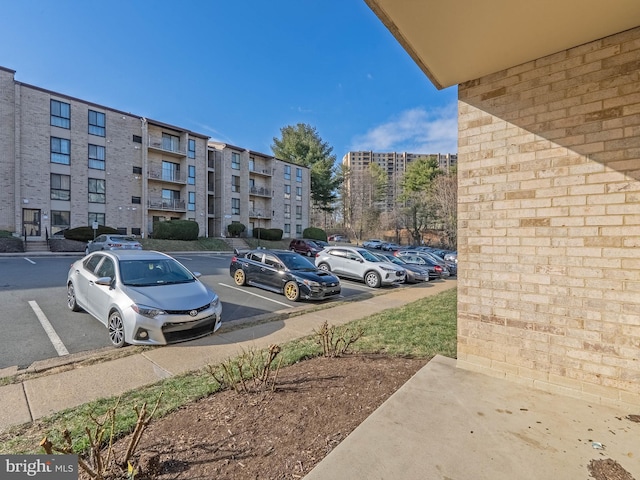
184, 258
30, 261
48, 328
254, 294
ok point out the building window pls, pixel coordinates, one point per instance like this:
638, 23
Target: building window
298, 174
96, 217
298, 193
287, 191
170, 171
287, 211
298, 229
235, 161
96, 157
60, 114
287, 228
136, 231
252, 164
298, 212
60, 220
192, 202
60, 187
97, 191
191, 180
171, 198
137, 170
287, 172
235, 183
192, 148
137, 139
96, 123
235, 206
137, 200
60, 150
170, 142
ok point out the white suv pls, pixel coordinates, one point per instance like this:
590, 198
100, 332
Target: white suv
359, 264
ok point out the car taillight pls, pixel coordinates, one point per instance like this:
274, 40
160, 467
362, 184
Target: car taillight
234, 258
438, 268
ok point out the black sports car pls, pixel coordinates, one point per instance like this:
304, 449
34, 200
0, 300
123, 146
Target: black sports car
284, 272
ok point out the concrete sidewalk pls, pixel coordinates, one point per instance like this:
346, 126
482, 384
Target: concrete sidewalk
53, 392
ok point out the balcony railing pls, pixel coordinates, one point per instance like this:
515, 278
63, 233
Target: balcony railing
159, 143
165, 204
259, 214
262, 191
167, 176
262, 171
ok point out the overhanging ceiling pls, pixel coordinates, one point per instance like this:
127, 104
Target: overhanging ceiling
454, 41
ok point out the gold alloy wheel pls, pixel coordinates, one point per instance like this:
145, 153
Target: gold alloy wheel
292, 291
239, 277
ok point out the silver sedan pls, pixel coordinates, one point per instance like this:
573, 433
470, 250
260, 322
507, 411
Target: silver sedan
143, 297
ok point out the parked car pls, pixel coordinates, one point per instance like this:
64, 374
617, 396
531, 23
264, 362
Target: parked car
305, 247
390, 247
413, 273
112, 242
338, 238
451, 266
143, 297
285, 272
359, 264
436, 270
373, 243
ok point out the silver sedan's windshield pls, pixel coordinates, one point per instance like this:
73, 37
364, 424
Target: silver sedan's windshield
145, 273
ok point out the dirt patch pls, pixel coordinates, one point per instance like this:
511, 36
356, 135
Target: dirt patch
608, 469
281, 434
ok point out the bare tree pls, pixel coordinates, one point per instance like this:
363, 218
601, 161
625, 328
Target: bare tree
362, 192
445, 200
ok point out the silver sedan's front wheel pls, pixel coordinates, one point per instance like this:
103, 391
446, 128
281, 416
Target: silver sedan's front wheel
71, 298
372, 279
116, 329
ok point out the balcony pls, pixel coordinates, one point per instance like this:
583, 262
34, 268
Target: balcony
175, 205
167, 176
260, 191
267, 172
173, 148
260, 214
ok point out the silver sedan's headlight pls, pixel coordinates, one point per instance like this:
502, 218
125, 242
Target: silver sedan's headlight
215, 302
145, 311
387, 269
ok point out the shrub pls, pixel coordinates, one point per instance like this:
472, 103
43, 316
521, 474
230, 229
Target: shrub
176, 230
313, 233
235, 229
271, 234
84, 234
5, 234
11, 244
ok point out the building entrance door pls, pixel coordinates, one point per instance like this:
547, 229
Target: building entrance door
31, 222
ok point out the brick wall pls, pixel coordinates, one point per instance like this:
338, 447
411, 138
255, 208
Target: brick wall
549, 222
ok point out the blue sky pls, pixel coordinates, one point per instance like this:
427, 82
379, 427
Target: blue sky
237, 71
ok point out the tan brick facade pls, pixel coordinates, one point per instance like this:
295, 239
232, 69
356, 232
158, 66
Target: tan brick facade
549, 222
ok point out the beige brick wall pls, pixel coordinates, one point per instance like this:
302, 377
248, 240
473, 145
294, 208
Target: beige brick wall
549, 222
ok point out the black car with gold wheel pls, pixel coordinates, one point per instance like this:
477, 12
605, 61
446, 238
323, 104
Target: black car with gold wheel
283, 272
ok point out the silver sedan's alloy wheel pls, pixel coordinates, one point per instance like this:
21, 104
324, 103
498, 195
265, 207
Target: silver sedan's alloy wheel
292, 291
324, 266
372, 279
116, 329
71, 298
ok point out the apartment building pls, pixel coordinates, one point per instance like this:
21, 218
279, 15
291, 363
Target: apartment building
67, 162
257, 190
395, 165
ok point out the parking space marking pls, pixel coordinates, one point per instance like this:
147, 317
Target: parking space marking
48, 328
255, 295
183, 258
30, 261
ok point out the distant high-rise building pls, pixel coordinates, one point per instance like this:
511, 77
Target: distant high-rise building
394, 164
